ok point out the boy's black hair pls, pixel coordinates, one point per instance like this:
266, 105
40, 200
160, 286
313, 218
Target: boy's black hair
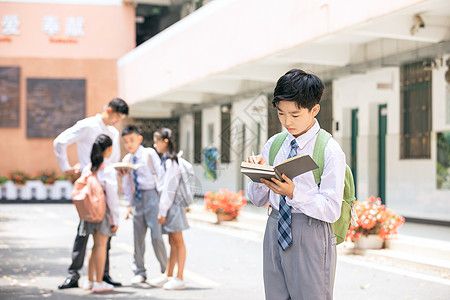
129, 129
118, 106
296, 85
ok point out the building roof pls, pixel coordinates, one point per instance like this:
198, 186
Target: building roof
234, 47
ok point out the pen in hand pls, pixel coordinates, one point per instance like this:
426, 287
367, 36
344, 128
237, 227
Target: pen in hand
253, 157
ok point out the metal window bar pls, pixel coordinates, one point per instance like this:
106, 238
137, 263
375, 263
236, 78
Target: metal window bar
325, 115
415, 85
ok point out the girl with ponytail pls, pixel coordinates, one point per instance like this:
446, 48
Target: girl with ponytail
171, 215
107, 176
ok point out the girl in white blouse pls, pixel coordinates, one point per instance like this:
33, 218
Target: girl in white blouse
107, 176
171, 215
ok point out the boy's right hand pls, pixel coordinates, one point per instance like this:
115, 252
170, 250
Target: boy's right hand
76, 169
123, 171
257, 159
129, 209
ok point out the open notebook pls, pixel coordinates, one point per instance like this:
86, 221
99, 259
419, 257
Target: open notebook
291, 167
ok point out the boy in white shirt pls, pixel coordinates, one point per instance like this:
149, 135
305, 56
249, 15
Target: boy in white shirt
84, 133
142, 200
299, 249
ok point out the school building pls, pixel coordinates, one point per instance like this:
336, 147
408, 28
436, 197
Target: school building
387, 100
58, 64
207, 69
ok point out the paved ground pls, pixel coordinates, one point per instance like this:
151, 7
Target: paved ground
223, 262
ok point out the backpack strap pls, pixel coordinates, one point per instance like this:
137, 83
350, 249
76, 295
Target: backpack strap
151, 166
319, 153
276, 145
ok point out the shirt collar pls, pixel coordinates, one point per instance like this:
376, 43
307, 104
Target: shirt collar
100, 121
138, 152
303, 139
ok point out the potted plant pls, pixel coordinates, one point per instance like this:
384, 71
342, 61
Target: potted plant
376, 224
18, 177
225, 204
46, 179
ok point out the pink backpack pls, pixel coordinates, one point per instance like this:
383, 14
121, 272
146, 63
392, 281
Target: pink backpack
89, 198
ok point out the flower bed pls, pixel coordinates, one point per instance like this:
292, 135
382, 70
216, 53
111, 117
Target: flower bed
44, 185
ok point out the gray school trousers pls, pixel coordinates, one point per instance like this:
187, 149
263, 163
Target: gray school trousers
145, 215
306, 269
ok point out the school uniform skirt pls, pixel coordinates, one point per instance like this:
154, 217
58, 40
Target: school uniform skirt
175, 219
104, 226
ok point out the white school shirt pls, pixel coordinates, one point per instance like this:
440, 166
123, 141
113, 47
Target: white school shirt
168, 186
145, 175
84, 133
107, 177
324, 202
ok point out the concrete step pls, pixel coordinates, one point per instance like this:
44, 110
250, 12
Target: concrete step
407, 252
425, 247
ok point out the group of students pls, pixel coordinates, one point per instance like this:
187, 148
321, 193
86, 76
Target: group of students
150, 193
299, 247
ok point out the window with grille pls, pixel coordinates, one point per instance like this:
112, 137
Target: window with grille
274, 125
415, 89
325, 115
225, 137
149, 126
198, 137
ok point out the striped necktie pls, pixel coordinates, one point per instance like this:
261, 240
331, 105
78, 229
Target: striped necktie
137, 191
163, 160
284, 216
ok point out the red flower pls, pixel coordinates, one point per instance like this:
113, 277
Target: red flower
225, 201
18, 177
374, 218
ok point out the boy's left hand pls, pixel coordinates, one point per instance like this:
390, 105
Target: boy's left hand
161, 220
114, 228
285, 188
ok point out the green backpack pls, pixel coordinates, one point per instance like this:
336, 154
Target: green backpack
340, 227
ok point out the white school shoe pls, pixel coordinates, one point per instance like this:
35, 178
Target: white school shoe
88, 285
175, 284
102, 287
138, 279
159, 281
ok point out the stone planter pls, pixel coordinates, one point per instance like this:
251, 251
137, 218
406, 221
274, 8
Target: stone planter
371, 241
224, 217
21, 192
34, 190
48, 191
62, 190
10, 191
3, 191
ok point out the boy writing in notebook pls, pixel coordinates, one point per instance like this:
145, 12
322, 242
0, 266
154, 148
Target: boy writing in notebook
299, 248
142, 200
